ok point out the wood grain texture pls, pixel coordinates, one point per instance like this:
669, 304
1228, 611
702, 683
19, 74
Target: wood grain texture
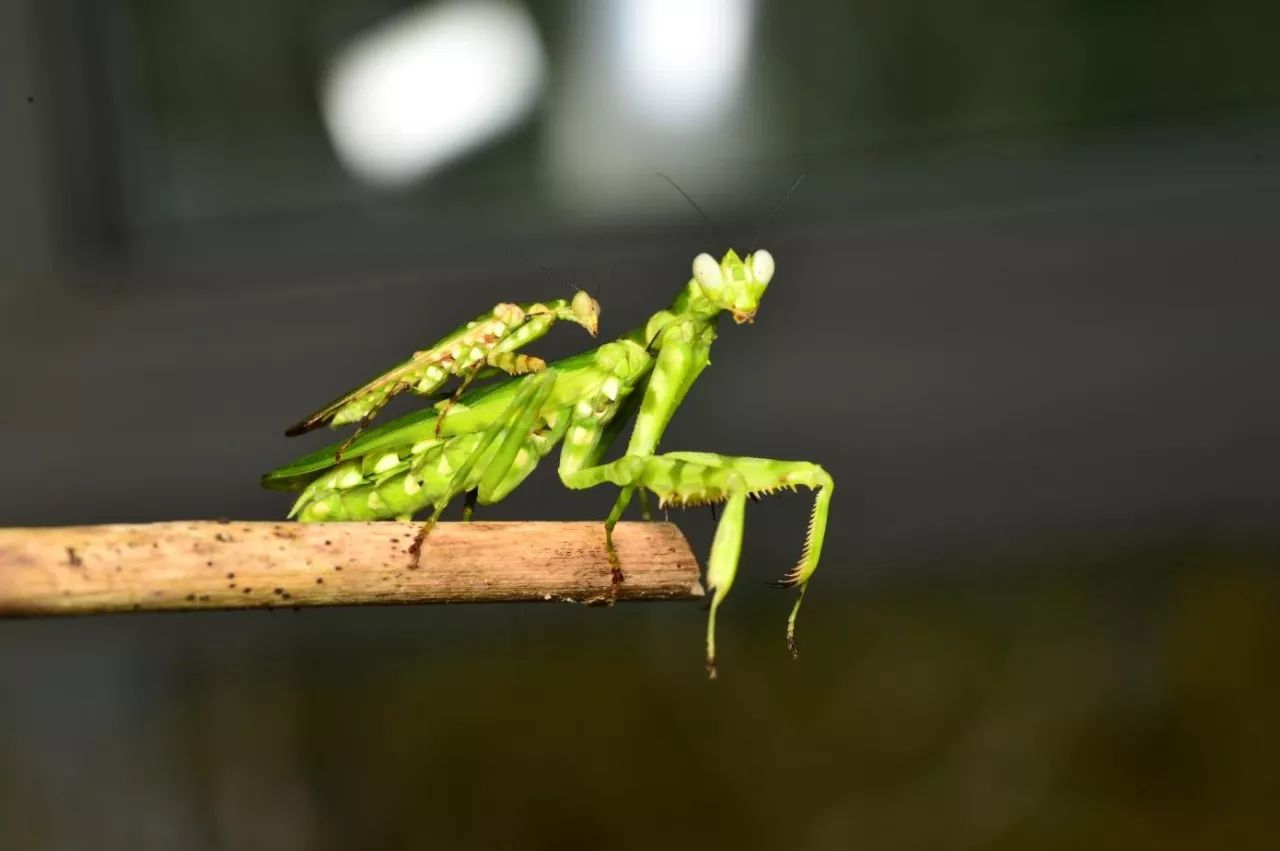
237, 565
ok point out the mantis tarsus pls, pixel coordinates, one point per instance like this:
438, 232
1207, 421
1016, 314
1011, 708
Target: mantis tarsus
495, 435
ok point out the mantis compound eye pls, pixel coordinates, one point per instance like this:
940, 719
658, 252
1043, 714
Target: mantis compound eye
762, 266
706, 271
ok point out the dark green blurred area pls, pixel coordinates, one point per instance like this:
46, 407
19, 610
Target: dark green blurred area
1025, 315
908, 69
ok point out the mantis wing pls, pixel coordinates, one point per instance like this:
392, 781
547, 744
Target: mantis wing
411, 428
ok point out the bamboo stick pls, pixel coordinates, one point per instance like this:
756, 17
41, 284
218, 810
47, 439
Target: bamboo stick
198, 564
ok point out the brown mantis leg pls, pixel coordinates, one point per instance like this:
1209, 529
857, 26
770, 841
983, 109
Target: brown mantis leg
462, 385
365, 420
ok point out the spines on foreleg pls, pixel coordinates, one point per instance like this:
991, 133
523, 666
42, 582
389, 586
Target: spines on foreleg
802, 572
699, 478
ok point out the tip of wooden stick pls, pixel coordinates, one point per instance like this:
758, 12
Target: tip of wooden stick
205, 564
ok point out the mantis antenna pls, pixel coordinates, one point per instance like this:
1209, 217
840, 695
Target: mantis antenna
608, 271
550, 273
776, 205
715, 232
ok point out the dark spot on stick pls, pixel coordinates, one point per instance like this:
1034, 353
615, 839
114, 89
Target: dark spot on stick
191, 598
221, 538
73, 559
319, 580
231, 575
223, 520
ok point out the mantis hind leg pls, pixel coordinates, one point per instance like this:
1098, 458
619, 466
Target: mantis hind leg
511, 364
453, 397
363, 423
645, 513
696, 478
513, 426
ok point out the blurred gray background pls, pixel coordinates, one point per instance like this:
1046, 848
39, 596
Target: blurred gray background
1024, 313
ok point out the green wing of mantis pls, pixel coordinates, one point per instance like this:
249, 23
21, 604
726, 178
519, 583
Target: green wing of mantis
408, 429
412, 427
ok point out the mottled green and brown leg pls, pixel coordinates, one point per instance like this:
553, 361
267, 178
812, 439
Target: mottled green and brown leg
372, 406
487, 342
444, 407
508, 362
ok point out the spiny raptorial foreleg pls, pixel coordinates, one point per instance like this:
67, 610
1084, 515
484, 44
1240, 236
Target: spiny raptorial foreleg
697, 478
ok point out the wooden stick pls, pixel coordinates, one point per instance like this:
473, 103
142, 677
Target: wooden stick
239, 565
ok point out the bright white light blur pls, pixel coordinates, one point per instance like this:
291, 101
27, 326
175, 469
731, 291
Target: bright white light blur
430, 84
682, 61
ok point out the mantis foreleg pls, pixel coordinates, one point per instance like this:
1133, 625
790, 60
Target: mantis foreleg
685, 478
682, 355
696, 478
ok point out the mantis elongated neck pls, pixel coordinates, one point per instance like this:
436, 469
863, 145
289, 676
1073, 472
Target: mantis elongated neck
690, 303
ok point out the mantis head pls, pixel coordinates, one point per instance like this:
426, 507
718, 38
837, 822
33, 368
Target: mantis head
734, 284
586, 311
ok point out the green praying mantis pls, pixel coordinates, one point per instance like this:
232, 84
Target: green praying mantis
482, 443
